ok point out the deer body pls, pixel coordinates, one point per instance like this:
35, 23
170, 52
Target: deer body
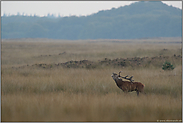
127, 86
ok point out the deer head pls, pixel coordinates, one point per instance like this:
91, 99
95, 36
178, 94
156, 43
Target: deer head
115, 76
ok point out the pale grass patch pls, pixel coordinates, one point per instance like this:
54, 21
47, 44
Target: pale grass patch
23, 53
66, 106
60, 94
88, 95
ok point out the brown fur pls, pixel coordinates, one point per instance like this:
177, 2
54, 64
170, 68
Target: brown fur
127, 86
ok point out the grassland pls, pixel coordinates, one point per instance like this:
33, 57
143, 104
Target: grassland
80, 94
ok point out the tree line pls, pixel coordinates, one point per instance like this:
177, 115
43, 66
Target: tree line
138, 20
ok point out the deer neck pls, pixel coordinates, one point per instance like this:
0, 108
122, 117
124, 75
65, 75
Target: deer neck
118, 80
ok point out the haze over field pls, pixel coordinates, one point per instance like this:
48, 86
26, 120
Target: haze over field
66, 8
137, 20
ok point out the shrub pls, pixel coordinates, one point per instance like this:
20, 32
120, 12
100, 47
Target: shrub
167, 66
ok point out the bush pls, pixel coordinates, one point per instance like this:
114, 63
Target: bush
167, 66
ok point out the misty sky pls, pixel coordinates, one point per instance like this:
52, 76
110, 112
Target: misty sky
65, 8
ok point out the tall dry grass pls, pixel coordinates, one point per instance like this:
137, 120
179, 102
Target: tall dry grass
60, 94
89, 95
65, 106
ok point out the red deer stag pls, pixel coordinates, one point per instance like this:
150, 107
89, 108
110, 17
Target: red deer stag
127, 86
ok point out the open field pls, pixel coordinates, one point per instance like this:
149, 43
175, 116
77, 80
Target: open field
30, 92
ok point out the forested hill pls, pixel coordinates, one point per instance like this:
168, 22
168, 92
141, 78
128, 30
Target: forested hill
138, 20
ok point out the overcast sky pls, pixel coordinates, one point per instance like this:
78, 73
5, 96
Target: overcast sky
65, 8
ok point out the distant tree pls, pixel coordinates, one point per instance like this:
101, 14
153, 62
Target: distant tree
18, 13
23, 14
59, 15
4, 15
48, 14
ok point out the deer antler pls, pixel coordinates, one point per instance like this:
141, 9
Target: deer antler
119, 73
126, 77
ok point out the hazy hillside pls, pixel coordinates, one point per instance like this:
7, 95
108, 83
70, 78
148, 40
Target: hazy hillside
138, 20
